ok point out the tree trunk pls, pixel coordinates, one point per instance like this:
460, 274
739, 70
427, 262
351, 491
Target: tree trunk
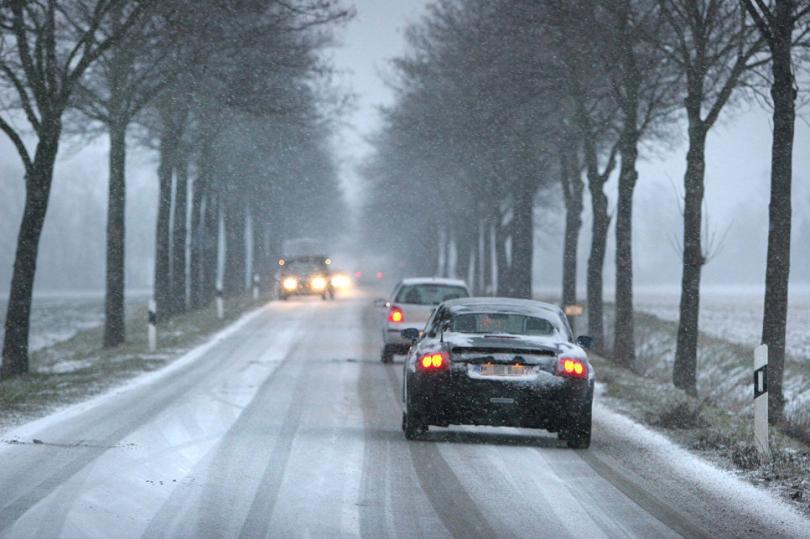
273, 239
572, 192
163, 288
489, 260
504, 274
783, 94
210, 253
18, 313
596, 260
197, 236
114, 325
684, 372
624, 347
234, 278
624, 351
463, 250
260, 261
179, 234
522, 244
480, 259
449, 254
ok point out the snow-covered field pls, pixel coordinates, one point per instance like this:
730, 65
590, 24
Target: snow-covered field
57, 317
734, 314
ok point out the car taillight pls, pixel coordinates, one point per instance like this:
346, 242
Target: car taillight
571, 367
396, 315
379, 275
433, 361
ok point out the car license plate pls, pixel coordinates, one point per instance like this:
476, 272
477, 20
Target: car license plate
497, 369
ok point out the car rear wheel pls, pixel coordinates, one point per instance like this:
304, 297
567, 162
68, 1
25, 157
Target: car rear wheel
387, 355
411, 427
578, 435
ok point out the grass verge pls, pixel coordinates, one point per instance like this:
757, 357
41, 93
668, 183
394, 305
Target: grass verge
79, 368
717, 434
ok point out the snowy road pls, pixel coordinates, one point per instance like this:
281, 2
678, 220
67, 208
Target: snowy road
287, 425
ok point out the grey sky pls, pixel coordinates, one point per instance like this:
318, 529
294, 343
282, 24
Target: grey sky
375, 36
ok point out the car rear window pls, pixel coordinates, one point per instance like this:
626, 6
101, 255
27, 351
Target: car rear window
514, 324
429, 294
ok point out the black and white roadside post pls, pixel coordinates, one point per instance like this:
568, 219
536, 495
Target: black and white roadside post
152, 325
761, 401
220, 303
255, 287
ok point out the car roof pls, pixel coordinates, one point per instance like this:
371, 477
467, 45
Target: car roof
505, 305
432, 280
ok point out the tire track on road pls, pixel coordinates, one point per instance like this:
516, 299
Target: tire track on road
135, 417
395, 457
642, 497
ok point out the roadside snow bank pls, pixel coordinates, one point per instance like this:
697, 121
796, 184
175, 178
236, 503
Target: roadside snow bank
649, 449
30, 430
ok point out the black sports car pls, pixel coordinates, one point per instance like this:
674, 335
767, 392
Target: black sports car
499, 361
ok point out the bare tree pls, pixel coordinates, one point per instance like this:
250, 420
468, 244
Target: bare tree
124, 80
714, 45
777, 21
643, 82
48, 46
594, 115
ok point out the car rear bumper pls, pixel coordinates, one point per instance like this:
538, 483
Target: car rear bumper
457, 399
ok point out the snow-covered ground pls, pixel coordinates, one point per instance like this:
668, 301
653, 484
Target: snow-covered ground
734, 313
58, 316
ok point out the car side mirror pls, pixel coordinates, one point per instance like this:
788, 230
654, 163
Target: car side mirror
411, 334
585, 342
380, 302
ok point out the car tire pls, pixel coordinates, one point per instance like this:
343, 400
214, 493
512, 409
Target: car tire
578, 435
387, 355
323, 297
411, 427
284, 298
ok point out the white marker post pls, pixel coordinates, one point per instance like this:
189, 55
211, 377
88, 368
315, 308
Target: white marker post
152, 325
761, 402
220, 303
255, 287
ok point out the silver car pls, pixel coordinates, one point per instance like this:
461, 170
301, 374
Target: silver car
410, 306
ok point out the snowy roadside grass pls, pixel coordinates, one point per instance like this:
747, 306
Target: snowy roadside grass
718, 425
79, 368
713, 432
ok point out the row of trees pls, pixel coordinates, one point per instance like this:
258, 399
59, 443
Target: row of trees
228, 93
501, 106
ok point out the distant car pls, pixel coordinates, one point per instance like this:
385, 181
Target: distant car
340, 280
305, 275
410, 306
502, 362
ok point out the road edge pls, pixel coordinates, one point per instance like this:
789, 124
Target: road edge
29, 430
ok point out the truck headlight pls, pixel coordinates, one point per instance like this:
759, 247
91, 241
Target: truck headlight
290, 283
318, 284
